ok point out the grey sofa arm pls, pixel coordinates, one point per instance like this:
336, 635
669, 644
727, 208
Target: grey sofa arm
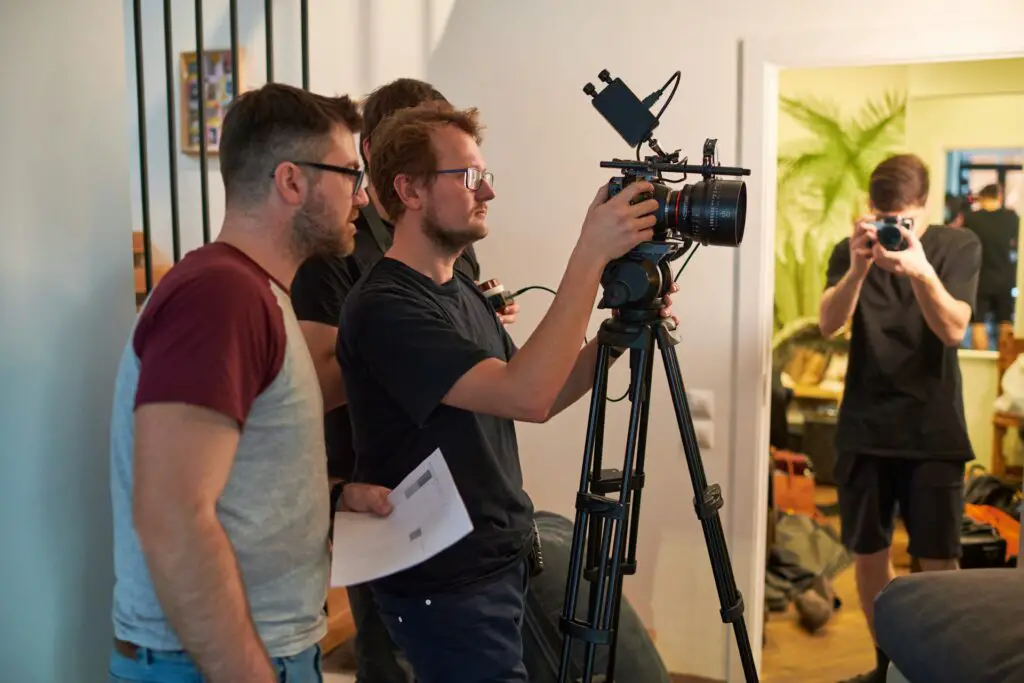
954, 627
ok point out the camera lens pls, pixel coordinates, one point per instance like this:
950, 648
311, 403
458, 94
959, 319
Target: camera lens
711, 211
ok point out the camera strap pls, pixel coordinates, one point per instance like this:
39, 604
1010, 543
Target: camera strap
381, 235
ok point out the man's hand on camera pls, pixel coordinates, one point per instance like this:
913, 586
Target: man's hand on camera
507, 315
911, 262
614, 226
366, 498
666, 305
865, 234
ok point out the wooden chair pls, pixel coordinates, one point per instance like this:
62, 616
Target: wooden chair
1009, 348
340, 625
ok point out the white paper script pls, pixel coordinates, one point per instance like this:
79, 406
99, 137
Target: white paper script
428, 516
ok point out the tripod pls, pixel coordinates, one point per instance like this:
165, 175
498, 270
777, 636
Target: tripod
608, 525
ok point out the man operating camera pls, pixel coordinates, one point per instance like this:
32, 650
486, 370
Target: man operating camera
902, 439
420, 346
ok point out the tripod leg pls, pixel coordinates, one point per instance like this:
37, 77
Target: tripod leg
644, 374
594, 429
707, 502
592, 508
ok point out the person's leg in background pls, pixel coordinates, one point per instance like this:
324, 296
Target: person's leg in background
473, 635
376, 654
932, 506
867, 501
979, 321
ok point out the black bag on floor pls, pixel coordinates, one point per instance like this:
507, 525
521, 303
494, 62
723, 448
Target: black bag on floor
636, 657
982, 546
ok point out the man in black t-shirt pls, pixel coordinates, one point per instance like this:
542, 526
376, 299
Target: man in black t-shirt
902, 439
427, 366
318, 292
996, 228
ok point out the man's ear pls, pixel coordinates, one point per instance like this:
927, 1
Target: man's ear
410, 192
290, 183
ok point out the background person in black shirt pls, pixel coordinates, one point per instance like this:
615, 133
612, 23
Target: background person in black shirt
427, 365
901, 435
996, 228
319, 289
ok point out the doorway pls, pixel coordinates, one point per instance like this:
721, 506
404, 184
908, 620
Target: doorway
764, 62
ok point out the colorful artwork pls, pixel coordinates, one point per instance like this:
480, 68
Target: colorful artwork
218, 93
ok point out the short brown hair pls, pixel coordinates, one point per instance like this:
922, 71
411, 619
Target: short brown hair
276, 123
898, 183
400, 93
402, 145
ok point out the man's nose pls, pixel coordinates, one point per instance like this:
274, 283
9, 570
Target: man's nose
362, 198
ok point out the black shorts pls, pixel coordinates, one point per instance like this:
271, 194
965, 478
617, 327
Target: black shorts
999, 305
929, 494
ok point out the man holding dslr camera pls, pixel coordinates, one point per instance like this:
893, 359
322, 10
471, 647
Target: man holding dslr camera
420, 345
902, 438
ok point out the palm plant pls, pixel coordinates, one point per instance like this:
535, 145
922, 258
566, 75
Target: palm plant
822, 183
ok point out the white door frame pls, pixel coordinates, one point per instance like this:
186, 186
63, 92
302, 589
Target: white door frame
761, 59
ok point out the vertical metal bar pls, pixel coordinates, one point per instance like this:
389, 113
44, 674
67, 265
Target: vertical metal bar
140, 92
304, 12
234, 48
268, 22
172, 144
201, 82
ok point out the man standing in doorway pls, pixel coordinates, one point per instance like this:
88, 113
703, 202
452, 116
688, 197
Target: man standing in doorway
320, 287
902, 439
996, 227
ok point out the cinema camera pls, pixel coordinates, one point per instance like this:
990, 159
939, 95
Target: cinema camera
711, 211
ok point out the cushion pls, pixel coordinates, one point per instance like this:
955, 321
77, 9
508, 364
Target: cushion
954, 626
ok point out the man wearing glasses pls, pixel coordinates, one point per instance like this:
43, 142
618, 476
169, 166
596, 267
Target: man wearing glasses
427, 366
318, 291
218, 482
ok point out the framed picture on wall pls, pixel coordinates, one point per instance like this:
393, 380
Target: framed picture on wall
218, 91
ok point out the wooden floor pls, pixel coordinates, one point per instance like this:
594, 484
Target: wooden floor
843, 648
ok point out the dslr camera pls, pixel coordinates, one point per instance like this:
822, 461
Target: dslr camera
888, 231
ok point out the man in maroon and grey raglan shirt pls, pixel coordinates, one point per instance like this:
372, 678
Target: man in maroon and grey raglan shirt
218, 465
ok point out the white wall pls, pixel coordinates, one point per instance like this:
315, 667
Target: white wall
524, 64
66, 293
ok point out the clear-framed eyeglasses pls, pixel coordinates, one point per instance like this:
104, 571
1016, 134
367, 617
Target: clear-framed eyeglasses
474, 177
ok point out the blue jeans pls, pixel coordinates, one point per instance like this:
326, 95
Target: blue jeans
153, 666
474, 635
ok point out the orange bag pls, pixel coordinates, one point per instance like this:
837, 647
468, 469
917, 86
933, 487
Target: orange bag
793, 483
1006, 525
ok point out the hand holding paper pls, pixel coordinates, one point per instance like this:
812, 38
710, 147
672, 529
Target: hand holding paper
428, 515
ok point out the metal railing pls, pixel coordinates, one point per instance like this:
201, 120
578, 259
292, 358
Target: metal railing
140, 89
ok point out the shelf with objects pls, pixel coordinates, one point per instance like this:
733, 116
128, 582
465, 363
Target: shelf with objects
807, 388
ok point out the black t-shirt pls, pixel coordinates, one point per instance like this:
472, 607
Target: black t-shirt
318, 291
903, 393
997, 231
404, 341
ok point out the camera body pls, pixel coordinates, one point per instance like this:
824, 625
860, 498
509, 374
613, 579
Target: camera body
888, 231
710, 211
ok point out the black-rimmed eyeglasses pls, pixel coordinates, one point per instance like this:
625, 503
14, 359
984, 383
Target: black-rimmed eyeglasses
474, 177
356, 173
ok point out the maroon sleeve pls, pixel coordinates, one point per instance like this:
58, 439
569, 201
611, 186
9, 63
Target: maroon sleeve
215, 339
